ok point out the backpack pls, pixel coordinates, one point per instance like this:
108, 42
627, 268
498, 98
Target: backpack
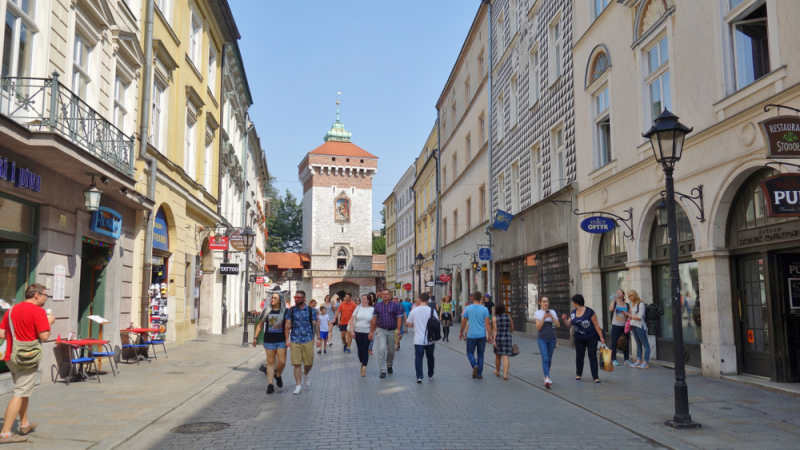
434, 329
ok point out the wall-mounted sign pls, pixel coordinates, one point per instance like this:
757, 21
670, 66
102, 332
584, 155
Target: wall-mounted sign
59, 282
160, 231
21, 177
485, 254
782, 136
218, 244
430, 284
598, 224
782, 195
407, 287
229, 269
237, 240
259, 280
107, 222
398, 285
445, 277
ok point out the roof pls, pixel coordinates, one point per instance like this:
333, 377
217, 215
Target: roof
332, 148
294, 261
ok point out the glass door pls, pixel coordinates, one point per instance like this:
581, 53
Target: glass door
753, 317
14, 266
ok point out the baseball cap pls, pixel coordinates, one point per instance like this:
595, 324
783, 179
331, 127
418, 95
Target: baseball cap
488, 295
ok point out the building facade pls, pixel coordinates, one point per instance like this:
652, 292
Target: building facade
533, 156
390, 208
734, 258
425, 203
405, 226
464, 168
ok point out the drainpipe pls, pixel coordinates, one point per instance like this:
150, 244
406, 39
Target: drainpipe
490, 268
144, 132
246, 152
438, 250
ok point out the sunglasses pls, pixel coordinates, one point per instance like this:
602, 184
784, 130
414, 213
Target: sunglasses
298, 297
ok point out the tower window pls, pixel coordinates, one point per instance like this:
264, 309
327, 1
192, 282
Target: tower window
362, 161
333, 159
347, 160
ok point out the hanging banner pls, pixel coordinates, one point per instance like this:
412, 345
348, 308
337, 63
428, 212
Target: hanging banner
218, 244
598, 224
782, 137
782, 195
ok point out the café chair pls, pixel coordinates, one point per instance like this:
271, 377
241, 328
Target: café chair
77, 364
131, 342
108, 352
153, 343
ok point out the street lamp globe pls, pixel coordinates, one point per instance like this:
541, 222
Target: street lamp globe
666, 137
420, 258
661, 214
91, 197
248, 237
289, 273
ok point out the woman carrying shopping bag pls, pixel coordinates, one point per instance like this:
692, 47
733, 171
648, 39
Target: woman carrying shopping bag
587, 332
546, 324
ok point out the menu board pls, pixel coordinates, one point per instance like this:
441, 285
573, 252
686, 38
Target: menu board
59, 282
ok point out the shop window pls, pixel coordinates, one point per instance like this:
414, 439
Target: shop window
613, 256
16, 217
750, 211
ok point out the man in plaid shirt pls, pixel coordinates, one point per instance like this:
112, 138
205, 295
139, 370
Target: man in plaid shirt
387, 317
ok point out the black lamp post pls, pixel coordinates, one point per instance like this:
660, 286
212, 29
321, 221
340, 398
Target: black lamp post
289, 273
248, 237
667, 136
420, 259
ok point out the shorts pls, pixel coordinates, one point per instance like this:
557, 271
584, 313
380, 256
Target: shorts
446, 316
302, 354
274, 345
343, 328
323, 335
23, 380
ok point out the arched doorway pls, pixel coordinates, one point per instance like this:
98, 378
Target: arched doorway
615, 275
689, 289
765, 257
351, 288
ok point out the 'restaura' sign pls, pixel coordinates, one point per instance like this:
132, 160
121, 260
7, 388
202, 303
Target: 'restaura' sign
782, 136
782, 195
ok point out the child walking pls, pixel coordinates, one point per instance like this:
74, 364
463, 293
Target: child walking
323, 329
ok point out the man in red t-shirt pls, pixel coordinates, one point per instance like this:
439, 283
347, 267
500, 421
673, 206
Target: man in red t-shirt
343, 315
30, 322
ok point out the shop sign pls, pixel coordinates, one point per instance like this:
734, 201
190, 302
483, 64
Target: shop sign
229, 269
398, 285
794, 293
407, 287
259, 280
161, 232
768, 234
782, 195
445, 277
21, 177
220, 243
485, 254
107, 222
782, 136
789, 264
237, 240
598, 224
430, 284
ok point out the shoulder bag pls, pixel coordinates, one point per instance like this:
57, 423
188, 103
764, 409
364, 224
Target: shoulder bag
514, 346
25, 355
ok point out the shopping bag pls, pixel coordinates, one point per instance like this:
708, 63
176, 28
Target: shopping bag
628, 326
604, 358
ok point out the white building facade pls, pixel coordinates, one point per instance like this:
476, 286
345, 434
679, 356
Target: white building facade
404, 227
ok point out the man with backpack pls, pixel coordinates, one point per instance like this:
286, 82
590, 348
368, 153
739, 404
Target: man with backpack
302, 328
427, 331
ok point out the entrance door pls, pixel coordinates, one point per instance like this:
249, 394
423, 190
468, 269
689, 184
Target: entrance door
789, 288
91, 299
13, 268
753, 317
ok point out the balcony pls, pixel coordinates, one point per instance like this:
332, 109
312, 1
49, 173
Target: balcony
44, 104
343, 273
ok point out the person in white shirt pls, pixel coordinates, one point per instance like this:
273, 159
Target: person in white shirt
546, 324
359, 327
324, 319
418, 320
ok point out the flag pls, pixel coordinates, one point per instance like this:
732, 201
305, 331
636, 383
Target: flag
502, 220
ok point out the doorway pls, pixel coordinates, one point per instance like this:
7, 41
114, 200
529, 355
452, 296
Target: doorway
753, 316
789, 292
13, 270
91, 300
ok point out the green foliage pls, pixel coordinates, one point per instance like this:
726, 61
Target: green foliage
383, 221
285, 224
379, 245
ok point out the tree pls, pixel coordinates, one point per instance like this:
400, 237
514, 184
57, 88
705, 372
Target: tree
378, 245
285, 224
383, 222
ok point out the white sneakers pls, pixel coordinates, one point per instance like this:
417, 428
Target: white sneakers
297, 390
305, 380
547, 382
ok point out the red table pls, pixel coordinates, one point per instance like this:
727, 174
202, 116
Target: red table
79, 343
143, 353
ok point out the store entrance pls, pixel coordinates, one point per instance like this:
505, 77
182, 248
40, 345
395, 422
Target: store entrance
13, 270
92, 299
789, 288
753, 316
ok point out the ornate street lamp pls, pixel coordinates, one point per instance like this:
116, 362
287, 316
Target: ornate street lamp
661, 214
667, 136
91, 197
420, 259
248, 237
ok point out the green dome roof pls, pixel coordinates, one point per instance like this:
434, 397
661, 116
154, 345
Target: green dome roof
337, 133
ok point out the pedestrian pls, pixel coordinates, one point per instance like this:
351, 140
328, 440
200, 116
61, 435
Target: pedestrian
479, 332
416, 303
418, 320
324, 322
406, 304
302, 328
24, 327
386, 318
489, 304
373, 300
546, 323
586, 331
359, 330
502, 327
343, 314
330, 310
620, 311
273, 321
313, 304
398, 333
446, 313
639, 330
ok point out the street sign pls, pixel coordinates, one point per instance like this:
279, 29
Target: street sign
782, 136
781, 195
237, 240
445, 277
252, 278
430, 284
398, 285
407, 287
598, 224
259, 280
229, 269
485, 254
218, 244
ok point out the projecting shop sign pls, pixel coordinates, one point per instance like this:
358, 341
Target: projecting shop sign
782, 195
782, 136
229, 269
598, 224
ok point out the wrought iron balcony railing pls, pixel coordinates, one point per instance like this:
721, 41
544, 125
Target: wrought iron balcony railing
46, 104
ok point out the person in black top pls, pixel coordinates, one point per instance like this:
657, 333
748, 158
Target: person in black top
489, 304
273, 320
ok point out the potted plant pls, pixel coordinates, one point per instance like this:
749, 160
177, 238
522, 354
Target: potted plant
97, 260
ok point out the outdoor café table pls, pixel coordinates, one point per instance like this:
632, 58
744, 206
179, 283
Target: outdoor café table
82, 344
143, 332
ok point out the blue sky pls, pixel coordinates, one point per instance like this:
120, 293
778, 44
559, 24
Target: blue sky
389, 59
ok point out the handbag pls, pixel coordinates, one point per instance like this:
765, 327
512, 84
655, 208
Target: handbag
604, 358
514, 346
628, 326
24, 354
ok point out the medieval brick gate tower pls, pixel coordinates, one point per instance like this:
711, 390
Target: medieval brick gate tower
337, 216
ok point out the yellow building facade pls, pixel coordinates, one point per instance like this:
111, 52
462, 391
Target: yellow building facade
389, 206
425, 196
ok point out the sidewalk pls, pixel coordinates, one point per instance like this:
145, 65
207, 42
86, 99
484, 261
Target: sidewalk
103, 415
732, 416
